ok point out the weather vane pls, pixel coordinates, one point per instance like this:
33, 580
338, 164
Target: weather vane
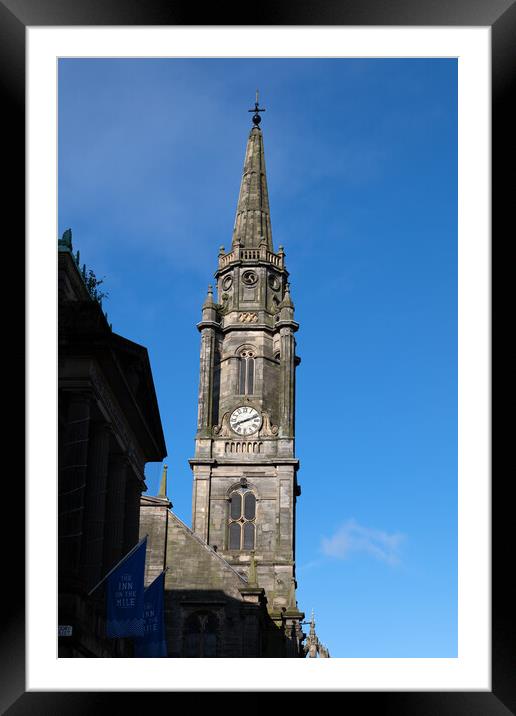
256, 118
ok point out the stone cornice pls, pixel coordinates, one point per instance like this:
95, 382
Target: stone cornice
208, 324
287, 614
153, 501
117, 417
202, 461
287, 324
252, 591
85, 334
256, 461
249, 327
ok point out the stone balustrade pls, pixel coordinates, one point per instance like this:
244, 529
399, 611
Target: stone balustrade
259, 254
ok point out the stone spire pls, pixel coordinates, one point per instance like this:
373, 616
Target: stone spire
252, 222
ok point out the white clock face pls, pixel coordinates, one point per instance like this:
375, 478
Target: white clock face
245, 420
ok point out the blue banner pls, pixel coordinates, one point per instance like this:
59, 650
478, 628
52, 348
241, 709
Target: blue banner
125, 595
153, 643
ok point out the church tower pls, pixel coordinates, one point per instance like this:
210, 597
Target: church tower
244, 468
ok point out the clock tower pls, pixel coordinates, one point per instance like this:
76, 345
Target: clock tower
244, 468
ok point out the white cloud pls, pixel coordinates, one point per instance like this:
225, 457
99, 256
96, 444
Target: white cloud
352, 537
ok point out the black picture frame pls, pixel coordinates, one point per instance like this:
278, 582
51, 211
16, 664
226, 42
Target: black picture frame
500, 15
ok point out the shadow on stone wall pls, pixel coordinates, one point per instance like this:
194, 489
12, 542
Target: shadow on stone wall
210, 624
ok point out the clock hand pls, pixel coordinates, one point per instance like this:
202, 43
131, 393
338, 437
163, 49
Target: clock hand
245, 420
242, 421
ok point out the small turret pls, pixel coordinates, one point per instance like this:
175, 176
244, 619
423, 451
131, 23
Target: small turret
209, 307
286, 306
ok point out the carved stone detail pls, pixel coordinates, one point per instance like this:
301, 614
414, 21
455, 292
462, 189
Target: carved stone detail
227, 282
248, 318
268, 429
274, 282
223, 430
249, 278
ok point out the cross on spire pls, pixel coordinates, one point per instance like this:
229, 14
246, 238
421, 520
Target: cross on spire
256, 117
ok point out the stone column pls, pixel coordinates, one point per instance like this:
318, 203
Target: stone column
115, 512
72, 485
95, 509
201, 501
133, 491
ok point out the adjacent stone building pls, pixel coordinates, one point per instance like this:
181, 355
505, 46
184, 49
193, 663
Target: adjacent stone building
230, 586
109, 427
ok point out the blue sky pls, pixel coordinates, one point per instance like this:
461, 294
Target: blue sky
361, 160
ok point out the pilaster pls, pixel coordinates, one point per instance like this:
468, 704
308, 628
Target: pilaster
95, 503
72, 482
201, 500
133, 491
115, 511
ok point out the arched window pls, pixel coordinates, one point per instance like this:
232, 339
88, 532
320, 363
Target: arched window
246, 372
241, 522
200, 635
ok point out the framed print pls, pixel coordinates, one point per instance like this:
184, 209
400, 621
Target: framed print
476, 678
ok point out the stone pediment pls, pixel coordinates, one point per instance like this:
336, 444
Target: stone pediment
195, 560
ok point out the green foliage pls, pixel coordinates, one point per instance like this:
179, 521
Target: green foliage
88, 276
92, 284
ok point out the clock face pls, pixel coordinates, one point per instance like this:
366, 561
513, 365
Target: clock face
245, 420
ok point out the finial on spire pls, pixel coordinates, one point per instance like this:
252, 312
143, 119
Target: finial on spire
163, 484
256, 117
287, 299
312, 625
208, 301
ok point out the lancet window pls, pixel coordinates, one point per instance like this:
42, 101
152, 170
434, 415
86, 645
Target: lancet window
246, 372
242, 517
